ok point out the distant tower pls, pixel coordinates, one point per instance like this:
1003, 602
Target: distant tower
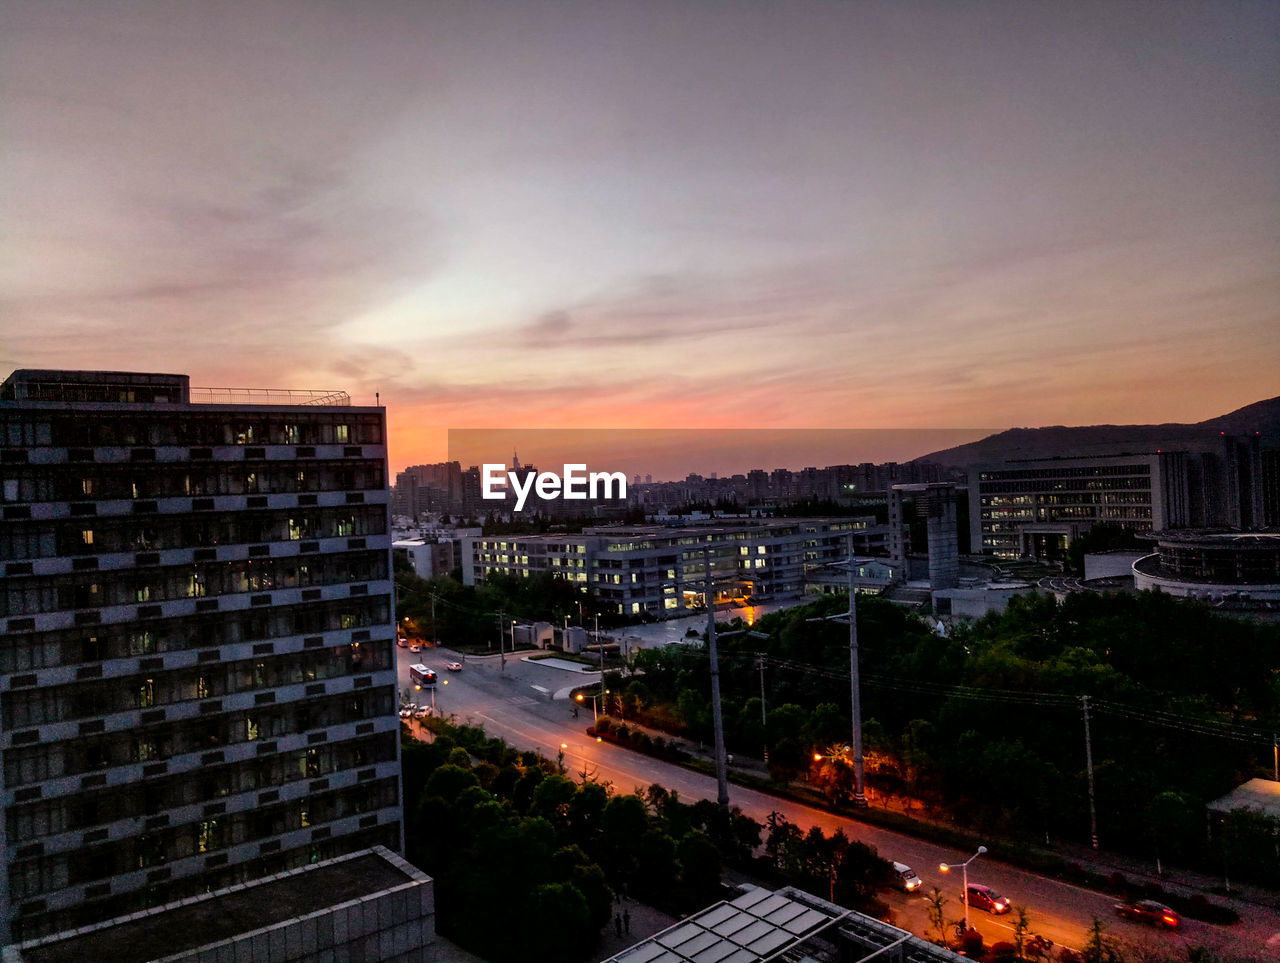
515, 461
937, 504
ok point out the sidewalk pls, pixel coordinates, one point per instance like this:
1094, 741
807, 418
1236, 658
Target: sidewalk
645, 922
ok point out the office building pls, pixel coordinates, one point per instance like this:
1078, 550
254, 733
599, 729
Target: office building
1036, 507
660, 571
197, 661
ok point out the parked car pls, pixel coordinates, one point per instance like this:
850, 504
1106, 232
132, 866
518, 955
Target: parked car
408, 709
985, 898
402, 642
1151, 912
905, 878
453, 666
416, 647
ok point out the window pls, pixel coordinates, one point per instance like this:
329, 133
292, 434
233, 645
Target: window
88, 486
147, 694
208, 836
86, 537
342, 434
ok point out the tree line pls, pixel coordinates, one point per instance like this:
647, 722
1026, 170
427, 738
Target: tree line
955, 723
527, 855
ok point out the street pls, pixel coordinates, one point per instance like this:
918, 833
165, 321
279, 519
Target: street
517, 704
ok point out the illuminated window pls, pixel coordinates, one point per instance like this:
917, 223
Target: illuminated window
88, 486
342, 433
86, 536
207, 836
147, 694
250, 729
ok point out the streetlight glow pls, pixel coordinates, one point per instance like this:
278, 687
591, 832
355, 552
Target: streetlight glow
964, 869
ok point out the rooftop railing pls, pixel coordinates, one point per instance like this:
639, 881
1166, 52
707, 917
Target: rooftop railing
268, 396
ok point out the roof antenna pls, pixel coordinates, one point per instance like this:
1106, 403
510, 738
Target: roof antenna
377, 398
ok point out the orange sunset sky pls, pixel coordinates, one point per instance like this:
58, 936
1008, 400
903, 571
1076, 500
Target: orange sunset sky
653, 214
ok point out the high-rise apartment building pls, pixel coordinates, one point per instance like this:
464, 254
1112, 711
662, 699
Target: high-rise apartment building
197, 675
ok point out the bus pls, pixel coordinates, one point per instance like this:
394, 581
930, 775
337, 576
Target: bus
420, 677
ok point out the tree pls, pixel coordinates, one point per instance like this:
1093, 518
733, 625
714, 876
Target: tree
573, 934
623, 824
448, 781
699, 869
1099, 948
936, 918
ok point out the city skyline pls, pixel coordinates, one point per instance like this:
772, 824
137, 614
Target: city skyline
635, 215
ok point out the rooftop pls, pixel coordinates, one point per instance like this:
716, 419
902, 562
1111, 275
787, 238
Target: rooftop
790, 924
178, 927
1259, 795
136, 387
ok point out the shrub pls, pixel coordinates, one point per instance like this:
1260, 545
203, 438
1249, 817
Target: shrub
1003, 950
971, 943
603, 725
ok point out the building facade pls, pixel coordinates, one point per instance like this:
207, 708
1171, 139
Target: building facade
1037, 507
660, 571
1213, 566
197, 676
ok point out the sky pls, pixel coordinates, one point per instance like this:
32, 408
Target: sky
643, 213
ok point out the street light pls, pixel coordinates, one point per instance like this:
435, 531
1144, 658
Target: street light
964, 870
595, 709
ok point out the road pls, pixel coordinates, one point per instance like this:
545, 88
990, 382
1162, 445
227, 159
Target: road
507, 704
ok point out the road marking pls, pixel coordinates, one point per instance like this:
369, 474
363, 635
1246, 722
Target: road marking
522, 700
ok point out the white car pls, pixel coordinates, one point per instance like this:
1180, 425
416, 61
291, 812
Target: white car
416, 647
453, 666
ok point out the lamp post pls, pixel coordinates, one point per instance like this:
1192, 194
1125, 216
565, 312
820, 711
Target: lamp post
595, 708
964, 871
600, 650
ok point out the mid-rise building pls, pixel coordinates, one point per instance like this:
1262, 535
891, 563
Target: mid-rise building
660, 571
197, 643
1037, 507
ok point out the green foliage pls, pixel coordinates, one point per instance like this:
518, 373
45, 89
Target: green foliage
699, 869
1016, 769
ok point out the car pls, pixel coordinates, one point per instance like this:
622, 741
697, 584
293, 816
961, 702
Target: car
416, 647
1151, 912
985, 898
408, 709
905, 878
402, 642
424, 712
453, 666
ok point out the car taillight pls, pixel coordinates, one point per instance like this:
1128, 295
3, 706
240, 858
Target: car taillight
1171, 920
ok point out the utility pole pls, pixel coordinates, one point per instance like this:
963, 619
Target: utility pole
722, 771
600, 651
1088, 762
855, 690
764, 723
502, 637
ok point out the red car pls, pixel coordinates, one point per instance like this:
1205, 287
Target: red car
985, 898
1149, 911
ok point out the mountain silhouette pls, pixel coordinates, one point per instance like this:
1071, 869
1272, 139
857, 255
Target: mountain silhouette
1262, 417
